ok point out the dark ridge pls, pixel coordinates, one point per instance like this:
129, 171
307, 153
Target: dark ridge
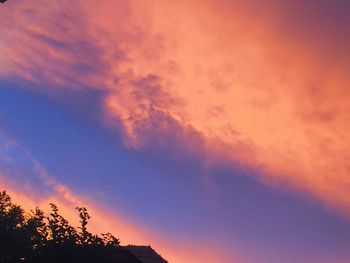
146, 254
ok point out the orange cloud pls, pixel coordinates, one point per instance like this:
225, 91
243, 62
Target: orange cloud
239, 82
271, 100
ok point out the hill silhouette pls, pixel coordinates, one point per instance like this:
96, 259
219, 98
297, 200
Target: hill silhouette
36, 238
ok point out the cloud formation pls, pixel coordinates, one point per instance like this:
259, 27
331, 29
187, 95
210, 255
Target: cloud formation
252, 83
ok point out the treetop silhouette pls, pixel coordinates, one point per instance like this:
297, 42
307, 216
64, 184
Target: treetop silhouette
34, 237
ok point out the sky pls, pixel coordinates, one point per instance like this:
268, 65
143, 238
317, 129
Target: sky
213, 130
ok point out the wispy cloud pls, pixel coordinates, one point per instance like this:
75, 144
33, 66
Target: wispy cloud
31, 185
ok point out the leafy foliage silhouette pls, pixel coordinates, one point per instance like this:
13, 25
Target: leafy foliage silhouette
34, 237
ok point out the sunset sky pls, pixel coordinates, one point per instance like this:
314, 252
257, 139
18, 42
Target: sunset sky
216, 131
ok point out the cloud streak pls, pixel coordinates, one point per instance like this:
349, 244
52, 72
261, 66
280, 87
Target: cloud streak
31, 185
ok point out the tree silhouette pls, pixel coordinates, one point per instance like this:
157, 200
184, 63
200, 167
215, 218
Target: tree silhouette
61, 231
36, 238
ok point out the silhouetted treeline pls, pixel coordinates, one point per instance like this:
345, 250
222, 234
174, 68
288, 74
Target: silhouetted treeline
34, 237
